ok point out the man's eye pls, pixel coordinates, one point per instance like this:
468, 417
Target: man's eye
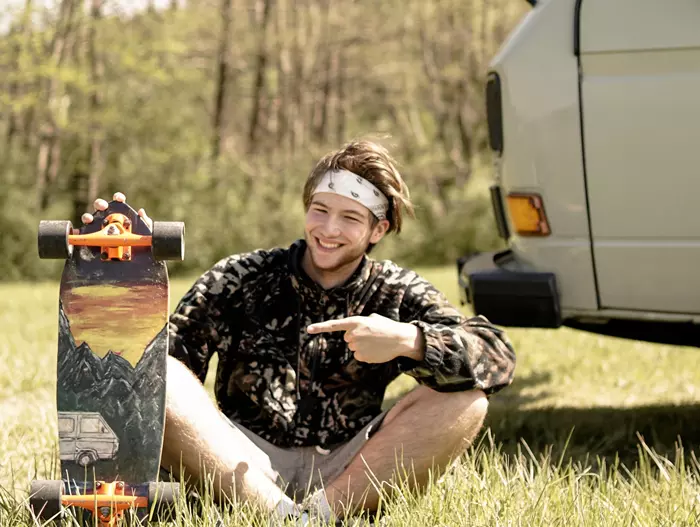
351, 218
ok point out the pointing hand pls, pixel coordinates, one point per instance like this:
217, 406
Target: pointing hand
376, 339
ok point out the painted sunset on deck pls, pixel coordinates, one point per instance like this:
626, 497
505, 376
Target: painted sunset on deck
117, 318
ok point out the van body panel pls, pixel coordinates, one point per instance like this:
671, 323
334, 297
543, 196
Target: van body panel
637, 25
542, 146
650, 277
641, 124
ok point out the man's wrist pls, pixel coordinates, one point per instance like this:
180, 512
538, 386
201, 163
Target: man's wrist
415, 343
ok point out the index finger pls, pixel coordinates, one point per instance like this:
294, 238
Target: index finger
341, 324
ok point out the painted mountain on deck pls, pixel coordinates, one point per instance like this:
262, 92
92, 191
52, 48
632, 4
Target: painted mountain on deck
130, 397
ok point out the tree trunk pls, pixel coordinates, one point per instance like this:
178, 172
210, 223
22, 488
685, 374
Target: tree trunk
298, 133
19, 48
282, 71
48, 131
310, 71
29, 138
323, 101
96, 102
341, 97
221, 79
259, 83
483, 33
12, 92
466, 134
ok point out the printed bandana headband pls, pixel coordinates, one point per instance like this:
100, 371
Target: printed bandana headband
352, 186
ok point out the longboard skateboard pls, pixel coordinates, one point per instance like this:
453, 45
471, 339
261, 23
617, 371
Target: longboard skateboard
112, 349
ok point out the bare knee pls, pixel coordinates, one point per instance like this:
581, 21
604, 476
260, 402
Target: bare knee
474, 402
178, 373
463, 411
462, 416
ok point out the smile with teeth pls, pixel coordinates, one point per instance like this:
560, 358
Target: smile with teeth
328, 245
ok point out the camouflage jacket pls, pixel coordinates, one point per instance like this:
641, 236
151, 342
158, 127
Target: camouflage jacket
296, 389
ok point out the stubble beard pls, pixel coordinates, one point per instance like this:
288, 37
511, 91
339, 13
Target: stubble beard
346, 260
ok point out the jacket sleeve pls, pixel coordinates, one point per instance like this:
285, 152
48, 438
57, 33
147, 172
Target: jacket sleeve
460, 353
204, 320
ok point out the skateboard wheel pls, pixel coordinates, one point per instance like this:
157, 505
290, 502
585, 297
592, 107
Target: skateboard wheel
45, 499
168, 242
53, 239
162, 499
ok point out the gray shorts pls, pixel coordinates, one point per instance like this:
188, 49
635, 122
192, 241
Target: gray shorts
300, 470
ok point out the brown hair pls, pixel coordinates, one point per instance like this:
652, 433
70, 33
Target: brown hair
372, 162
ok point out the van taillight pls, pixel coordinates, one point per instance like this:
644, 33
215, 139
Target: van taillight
494, 113
527, 214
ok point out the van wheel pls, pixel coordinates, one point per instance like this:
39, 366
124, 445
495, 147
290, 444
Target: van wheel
45, 499
85, 458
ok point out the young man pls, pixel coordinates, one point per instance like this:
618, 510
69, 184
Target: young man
308, 337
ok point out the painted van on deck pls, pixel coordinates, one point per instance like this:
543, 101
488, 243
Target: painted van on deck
85, 437
594, 123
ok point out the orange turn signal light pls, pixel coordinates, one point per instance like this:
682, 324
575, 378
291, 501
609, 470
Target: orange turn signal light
527, 214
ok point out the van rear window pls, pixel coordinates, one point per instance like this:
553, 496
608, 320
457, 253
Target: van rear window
65, 425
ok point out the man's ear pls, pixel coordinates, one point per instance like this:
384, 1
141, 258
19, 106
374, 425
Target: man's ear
379, 231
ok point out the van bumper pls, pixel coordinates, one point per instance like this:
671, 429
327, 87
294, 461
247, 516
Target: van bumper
498, 287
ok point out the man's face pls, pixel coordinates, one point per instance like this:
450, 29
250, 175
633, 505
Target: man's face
338, 231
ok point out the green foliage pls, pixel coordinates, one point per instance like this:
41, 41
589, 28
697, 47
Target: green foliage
18, 240
126, 99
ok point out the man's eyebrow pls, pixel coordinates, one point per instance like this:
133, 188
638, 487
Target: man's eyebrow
351, 211
344, 211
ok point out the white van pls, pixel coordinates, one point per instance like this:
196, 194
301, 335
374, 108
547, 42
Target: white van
85, 437
594, 123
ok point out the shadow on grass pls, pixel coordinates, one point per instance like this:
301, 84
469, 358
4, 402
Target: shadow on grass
602, 432
607, 433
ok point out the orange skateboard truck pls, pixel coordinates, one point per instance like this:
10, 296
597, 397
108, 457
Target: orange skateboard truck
107, 502
115, 239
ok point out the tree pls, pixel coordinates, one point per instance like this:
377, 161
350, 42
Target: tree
222, 77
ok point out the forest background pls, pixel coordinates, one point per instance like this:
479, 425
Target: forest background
212, 112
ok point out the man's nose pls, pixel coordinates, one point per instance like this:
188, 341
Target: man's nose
331, 227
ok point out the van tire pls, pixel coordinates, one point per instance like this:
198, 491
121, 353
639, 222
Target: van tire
45, 499
85, 458
162, 499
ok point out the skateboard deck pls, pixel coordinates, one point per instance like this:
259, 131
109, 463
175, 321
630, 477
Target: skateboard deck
112, 350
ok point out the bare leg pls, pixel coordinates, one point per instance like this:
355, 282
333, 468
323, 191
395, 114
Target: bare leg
425, 430
200, 440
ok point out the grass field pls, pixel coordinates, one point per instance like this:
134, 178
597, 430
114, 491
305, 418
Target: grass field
594, 430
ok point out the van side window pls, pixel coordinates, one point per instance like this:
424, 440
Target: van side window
91, 425
66, 425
